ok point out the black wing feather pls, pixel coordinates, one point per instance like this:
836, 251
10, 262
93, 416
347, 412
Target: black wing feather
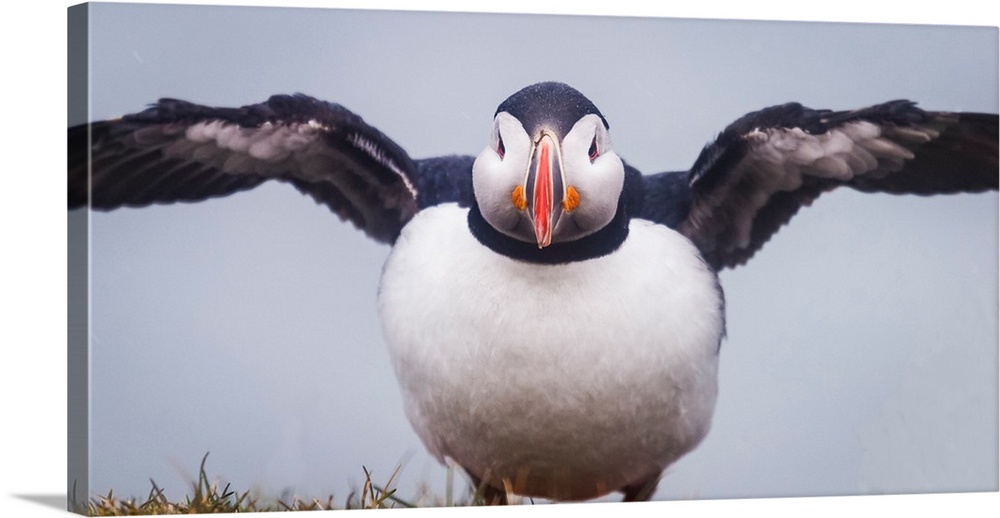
963, 158
666, 198
762, 168
445, 179
176, 151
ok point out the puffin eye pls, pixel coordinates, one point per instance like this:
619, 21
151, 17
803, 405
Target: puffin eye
500, 149
593, 149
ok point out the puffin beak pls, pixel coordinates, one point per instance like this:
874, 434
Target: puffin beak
543, 183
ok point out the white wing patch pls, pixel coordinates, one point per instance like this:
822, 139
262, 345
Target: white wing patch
266, 150
274, 148
778, 159
842, 153
262, 150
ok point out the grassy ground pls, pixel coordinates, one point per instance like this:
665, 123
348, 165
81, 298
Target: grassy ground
207, 497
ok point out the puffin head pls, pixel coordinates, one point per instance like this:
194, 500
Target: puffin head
549, 174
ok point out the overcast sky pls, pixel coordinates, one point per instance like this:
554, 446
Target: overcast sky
862, 340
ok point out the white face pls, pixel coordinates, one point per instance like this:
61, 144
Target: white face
538, 189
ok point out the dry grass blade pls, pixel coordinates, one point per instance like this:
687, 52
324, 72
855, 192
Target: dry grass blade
208, 498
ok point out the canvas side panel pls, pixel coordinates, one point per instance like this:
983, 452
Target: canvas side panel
78, 279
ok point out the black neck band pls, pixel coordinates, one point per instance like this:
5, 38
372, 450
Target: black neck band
602, 242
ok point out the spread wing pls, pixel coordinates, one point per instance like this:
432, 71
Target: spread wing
762, 168
176, 151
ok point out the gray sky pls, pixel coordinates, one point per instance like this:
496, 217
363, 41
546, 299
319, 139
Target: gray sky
862, 340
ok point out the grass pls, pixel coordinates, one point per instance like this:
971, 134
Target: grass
208, 498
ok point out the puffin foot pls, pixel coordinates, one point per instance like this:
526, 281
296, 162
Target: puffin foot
641, 491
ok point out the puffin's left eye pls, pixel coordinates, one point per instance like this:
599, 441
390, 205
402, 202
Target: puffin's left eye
501, 150
593, 149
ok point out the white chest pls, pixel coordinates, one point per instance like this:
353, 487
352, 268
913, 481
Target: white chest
568, 380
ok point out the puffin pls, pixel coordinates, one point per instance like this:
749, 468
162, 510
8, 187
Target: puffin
554, 316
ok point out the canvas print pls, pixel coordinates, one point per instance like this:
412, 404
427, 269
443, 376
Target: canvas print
383, 258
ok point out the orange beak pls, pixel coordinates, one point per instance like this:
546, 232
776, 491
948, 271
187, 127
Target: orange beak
543, 182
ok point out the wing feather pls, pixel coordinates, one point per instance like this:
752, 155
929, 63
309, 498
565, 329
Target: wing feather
176, 151
765, 166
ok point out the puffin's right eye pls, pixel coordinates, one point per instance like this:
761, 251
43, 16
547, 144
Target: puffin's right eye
500, 149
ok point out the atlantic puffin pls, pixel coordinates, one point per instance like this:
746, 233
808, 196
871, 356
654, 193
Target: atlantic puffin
554, 316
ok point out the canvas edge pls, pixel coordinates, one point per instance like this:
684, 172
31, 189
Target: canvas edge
78, 277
